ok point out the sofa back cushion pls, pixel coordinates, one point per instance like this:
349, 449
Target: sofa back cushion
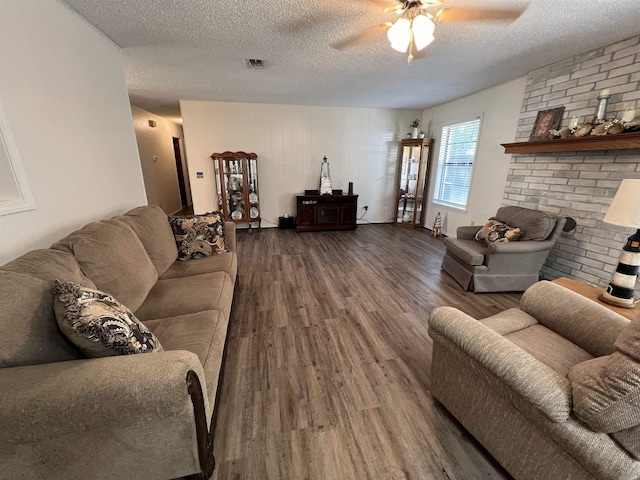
592, 327
606, 390
49, 265
113, 257
535, 225
151, 225
29, 334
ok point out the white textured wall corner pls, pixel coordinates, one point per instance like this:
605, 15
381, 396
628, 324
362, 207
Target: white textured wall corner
64, 93
500, 109
157, 158
290, 140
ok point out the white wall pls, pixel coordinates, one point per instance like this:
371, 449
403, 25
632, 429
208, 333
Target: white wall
158, 160
500, 108
64, 93
361, 145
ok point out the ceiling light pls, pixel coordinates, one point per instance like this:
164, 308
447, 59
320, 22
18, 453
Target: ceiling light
413, 28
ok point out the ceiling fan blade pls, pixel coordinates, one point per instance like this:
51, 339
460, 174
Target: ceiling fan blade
382, 3
398, 8
462, 15
360, 38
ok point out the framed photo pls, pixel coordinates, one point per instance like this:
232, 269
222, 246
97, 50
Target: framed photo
546, 121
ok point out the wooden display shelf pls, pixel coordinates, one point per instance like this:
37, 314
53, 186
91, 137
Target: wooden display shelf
620, 141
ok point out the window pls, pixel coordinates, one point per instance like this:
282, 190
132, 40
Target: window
15, 195
458, 147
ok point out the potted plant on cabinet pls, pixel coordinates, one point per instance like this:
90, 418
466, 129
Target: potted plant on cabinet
414, 125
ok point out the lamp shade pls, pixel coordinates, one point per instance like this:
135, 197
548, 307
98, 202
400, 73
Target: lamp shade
400, 35
422, 28
625, 207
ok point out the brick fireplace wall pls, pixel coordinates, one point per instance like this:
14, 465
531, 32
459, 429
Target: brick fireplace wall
580, 185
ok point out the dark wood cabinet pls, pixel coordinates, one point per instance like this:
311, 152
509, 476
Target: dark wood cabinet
326, 212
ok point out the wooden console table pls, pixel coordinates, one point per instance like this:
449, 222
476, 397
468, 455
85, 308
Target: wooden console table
592, 293
326, 212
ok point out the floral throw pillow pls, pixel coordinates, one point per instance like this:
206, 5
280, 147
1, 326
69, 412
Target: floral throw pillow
495, 231
98, 324
199, 235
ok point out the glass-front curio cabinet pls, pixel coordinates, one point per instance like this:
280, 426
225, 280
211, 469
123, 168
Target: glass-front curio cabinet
412, 180
237, 182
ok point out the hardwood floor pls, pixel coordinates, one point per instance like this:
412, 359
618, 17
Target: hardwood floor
328, 367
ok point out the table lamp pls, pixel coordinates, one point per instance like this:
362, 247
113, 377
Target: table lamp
625, 211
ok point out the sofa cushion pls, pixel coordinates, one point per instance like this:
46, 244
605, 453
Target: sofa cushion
469, 251
224, 262
48, 264
202, 333
495, 231
98, 324
509, 321
198, 235
151, 225
179, 296
536, 225
569, 315
607, 390
113, 257
606, 396
550, 348
29, 334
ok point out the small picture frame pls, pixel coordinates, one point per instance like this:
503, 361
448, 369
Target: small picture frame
546, 121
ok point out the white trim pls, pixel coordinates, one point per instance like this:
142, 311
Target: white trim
25, 200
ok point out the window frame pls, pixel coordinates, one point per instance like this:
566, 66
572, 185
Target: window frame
11, 162
450, 123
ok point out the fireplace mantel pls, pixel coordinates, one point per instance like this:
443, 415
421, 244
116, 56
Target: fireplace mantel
621, 141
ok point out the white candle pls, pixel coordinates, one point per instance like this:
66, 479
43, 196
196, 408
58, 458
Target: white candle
574, 122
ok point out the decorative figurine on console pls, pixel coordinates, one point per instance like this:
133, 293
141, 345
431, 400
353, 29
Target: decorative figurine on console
325, 178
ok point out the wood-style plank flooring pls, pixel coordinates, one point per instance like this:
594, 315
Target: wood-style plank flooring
328, 368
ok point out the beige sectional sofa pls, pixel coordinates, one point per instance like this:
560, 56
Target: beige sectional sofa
147, 416
551, 389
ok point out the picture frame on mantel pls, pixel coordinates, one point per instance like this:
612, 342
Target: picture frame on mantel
546, 120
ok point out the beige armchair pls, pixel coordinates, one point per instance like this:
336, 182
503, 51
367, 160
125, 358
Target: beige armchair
550, 389
501, 267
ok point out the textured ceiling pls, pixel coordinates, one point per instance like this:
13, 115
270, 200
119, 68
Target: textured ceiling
196, 49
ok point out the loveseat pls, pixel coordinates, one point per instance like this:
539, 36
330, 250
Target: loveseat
502, 265
143, 416
550, 389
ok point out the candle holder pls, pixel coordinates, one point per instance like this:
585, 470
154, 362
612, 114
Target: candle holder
601, 109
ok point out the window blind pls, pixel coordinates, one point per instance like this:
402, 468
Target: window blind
455, 163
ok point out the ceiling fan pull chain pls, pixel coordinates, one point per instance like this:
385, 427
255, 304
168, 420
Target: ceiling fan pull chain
410, 57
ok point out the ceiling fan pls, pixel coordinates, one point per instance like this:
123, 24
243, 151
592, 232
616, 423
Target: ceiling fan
416, 25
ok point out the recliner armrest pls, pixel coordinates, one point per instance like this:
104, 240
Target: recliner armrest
467, 232
230, 236
131, 416
522, 378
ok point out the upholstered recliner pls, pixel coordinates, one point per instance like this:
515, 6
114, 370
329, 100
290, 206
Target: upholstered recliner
503, 266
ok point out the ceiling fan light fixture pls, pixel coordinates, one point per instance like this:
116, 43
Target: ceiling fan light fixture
399, 34
422, 28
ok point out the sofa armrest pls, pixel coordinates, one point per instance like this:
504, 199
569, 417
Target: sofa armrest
522, 378
467, 232
527, 246
131, 416
230, 236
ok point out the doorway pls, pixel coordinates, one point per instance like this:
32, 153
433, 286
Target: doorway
183, 174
